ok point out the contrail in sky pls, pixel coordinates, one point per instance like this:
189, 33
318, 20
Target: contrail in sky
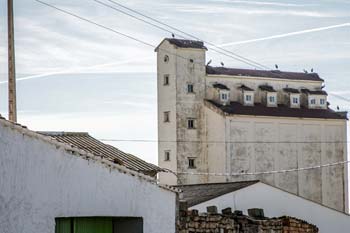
76, 70
286, 35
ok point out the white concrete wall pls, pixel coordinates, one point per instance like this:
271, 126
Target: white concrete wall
276, 202
240, 153
167, 102
39, 182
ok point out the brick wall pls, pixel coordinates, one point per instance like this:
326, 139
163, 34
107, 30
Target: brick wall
227, 222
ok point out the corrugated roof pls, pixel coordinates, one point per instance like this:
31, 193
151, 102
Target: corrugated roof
195, 194
89, 144
263, 73
236, 108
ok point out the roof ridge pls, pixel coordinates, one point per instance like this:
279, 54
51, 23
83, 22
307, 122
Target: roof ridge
77, 151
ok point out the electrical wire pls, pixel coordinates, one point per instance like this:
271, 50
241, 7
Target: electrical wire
235, 55
266, 172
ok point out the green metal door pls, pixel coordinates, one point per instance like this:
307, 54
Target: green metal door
93, 225
64, 225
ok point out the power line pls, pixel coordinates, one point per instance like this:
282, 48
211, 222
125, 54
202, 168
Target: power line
235, 55
112, 30
266, 172
219, 142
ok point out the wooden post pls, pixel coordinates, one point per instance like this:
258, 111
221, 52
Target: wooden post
11, 64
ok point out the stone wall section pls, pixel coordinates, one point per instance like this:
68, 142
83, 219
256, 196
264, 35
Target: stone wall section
190, 221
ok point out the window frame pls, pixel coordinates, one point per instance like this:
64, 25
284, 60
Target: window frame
166, 116
191, 163
166, 81
322, 101
190, 90
191, 125
167, 155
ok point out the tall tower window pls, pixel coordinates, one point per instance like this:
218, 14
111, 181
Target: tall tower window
166, 80
166, 58
191, 123
190, 88
167, 155
166, 116
191, 163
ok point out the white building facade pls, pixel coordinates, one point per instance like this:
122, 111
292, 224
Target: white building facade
276, 202
217, 122
45, 185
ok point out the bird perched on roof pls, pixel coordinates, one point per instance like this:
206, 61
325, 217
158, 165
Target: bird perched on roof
338, 108
209, 62
173, 35
222, 63
276, 66
305, 71
312, 70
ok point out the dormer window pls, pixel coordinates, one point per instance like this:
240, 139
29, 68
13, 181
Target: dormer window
248, 98
224, 96
222, 93
295, 100
271, 95
248, 95
294, 97
316, 98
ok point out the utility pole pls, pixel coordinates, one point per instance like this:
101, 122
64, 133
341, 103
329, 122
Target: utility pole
11, 64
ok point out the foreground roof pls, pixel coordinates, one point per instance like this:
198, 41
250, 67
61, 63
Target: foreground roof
263, 73
195, 194
236, 108
89, 144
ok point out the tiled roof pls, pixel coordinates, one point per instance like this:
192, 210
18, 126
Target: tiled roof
267, 88
195, 194
89, 144
291, 90
220, 86
245, 88
236, 108
186, 43
263, 73
318, 92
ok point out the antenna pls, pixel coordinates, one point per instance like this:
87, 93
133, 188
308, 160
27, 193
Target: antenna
11, 64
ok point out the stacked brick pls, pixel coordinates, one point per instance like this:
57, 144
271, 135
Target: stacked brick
192, 222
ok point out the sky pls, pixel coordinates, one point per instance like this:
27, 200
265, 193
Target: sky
73, 76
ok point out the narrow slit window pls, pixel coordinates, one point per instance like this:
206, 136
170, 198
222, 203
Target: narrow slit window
167, 155
166, 116
166, 80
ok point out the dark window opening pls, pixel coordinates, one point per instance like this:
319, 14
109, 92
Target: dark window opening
166, 116
191, 123
166, 80
191, 60
190, 88
99, 225
167, 155
191, 163
166, 58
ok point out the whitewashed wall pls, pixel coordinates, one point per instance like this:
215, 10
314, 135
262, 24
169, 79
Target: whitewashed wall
39, 182
276, 202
